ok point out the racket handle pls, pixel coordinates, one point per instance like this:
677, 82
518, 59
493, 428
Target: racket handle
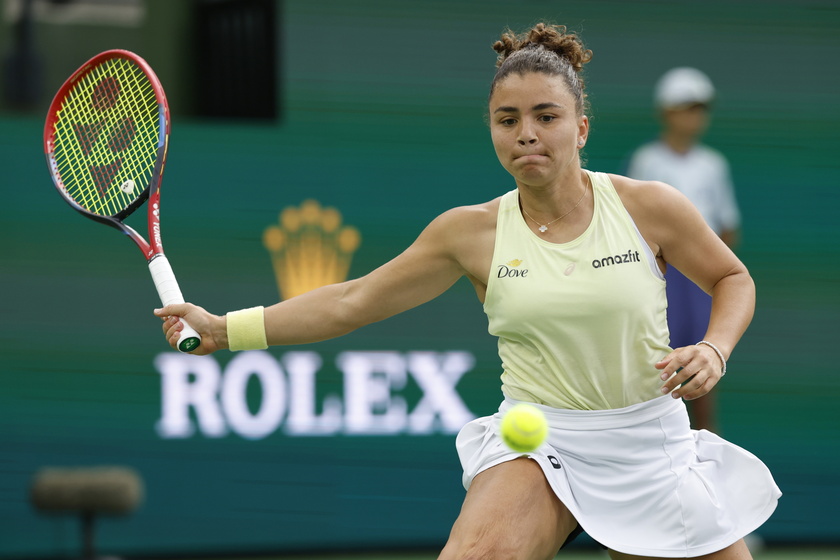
170, 293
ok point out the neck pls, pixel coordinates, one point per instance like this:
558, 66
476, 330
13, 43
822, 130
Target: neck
551, 205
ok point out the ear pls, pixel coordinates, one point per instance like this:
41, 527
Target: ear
583, 130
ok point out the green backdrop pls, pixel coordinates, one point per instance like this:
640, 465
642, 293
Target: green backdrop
383, 119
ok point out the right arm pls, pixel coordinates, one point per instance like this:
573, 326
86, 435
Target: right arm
442, 253
422, 272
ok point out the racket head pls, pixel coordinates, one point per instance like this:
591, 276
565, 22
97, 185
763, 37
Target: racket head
105, 138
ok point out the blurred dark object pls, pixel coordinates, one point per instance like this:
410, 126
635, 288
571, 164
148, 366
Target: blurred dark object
23, 68
87, 492
236, 66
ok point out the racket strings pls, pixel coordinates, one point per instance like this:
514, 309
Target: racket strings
107, 136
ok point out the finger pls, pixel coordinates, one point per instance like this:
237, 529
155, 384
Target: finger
691, 391
712, 378
663, 363
680, 359
666, 375
179, 309
169, 322
171, 327
175, 326
673, 363
679, 378
173, 341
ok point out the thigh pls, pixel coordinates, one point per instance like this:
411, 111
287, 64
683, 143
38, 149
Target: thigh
737, 551
510, 511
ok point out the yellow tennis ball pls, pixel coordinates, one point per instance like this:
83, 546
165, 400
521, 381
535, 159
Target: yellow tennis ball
524, 427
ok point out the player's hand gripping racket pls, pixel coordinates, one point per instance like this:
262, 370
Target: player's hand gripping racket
105, 138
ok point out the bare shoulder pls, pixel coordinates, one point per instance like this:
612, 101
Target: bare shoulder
661, 212
466, 235
463, 225
472, 217
639, 196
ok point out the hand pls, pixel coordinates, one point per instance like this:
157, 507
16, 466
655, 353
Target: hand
212, 328
690, 372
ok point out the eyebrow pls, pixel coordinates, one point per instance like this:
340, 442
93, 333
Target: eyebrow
538, 107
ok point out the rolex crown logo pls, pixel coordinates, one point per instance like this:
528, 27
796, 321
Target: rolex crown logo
310, 248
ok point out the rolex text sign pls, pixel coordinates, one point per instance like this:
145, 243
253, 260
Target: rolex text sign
198, 395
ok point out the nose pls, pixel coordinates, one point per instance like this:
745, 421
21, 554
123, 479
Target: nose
524, 140
526, 136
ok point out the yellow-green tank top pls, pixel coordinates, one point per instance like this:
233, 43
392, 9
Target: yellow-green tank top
580, 324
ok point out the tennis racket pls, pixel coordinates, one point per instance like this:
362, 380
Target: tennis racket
105, 138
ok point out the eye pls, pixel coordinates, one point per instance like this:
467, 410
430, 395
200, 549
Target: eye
546, 118
507, 121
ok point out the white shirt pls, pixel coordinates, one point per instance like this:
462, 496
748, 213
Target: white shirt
702, 174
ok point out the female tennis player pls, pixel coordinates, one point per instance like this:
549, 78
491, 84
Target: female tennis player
569, 266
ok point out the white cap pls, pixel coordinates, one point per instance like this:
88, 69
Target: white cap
683, 86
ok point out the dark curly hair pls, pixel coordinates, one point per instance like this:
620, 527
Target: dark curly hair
546, 49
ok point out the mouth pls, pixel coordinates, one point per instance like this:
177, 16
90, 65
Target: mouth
530, 158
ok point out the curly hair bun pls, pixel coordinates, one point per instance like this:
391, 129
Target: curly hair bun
553, 38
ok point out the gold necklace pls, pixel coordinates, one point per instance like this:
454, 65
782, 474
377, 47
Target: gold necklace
544, 227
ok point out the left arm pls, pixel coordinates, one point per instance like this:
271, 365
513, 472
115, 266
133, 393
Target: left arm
680, 237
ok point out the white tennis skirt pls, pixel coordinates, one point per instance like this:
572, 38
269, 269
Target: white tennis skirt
638, 479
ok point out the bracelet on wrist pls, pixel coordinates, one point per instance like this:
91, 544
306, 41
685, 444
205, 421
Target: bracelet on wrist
246, 329
718, 352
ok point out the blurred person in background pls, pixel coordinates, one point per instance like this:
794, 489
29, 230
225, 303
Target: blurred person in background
683, 97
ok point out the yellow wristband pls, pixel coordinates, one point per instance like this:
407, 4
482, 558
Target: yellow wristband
246, 329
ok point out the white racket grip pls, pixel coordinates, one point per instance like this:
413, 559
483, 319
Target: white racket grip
170, 293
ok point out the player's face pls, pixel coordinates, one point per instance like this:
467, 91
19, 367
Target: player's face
535, 128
